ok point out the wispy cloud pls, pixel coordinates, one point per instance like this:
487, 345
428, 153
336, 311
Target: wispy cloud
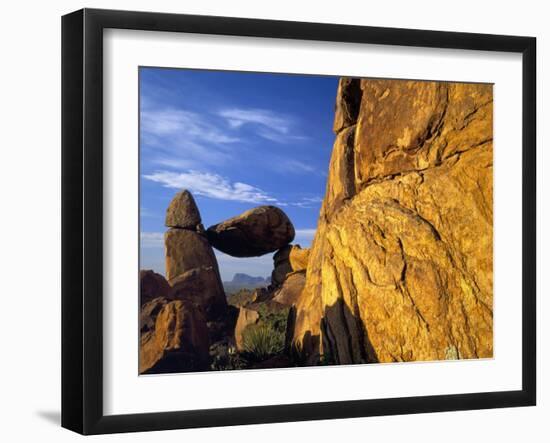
238, 117
293, 166
304, 237
267, 124
212, 185
151, 239
176, 138
171, 121
307, 202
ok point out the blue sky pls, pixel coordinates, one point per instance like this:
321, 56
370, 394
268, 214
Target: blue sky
236, 140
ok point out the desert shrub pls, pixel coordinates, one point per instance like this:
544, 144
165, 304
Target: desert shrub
275, 318
226, 358
261, 341
241, 298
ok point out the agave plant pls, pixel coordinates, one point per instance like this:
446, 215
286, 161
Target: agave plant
262, 341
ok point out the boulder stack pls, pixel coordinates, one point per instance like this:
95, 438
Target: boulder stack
191, 266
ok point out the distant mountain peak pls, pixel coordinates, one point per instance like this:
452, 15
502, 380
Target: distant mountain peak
243, 278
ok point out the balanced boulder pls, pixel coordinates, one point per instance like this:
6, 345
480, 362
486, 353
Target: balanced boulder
255, 232
183, 212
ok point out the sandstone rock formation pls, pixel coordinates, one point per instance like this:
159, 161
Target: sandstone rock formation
401, 266
179, 341
253, 233
290, 290
149, 312
182, 212
246, 317
186, 250
298, 258
152, 285
191, 266
202, 286
281, 265
289, 258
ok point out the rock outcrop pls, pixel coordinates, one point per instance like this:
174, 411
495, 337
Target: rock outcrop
182, 212
401, 266
255, 232
290, 290
191, 266
186, 250
151, 286
149, 313
179, 341
202, 286
246, 317
290, 258
298, 258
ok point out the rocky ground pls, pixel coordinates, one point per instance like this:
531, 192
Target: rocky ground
401, 267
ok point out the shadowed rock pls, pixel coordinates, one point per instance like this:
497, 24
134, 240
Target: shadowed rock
186, 250
290, 258
149, 312
179, 341
152, 285
203, 287
253, 233
183, 212
291, 289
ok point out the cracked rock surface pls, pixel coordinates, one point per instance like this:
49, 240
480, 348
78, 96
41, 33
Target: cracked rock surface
401, 267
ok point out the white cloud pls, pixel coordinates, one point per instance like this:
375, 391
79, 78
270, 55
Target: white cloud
163, 122
176, 138
151, 239
212, 185
269, 125
237, 117
294, 166
307, 202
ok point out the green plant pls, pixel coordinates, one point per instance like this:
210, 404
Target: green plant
261, 341
226, 358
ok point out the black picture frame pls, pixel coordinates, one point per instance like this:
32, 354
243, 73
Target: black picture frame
82, 218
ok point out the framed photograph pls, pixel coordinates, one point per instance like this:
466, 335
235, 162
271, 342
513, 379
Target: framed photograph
269, 221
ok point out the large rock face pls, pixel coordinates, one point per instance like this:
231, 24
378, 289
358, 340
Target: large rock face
179, 341
401, 267
253, 233
182, 212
